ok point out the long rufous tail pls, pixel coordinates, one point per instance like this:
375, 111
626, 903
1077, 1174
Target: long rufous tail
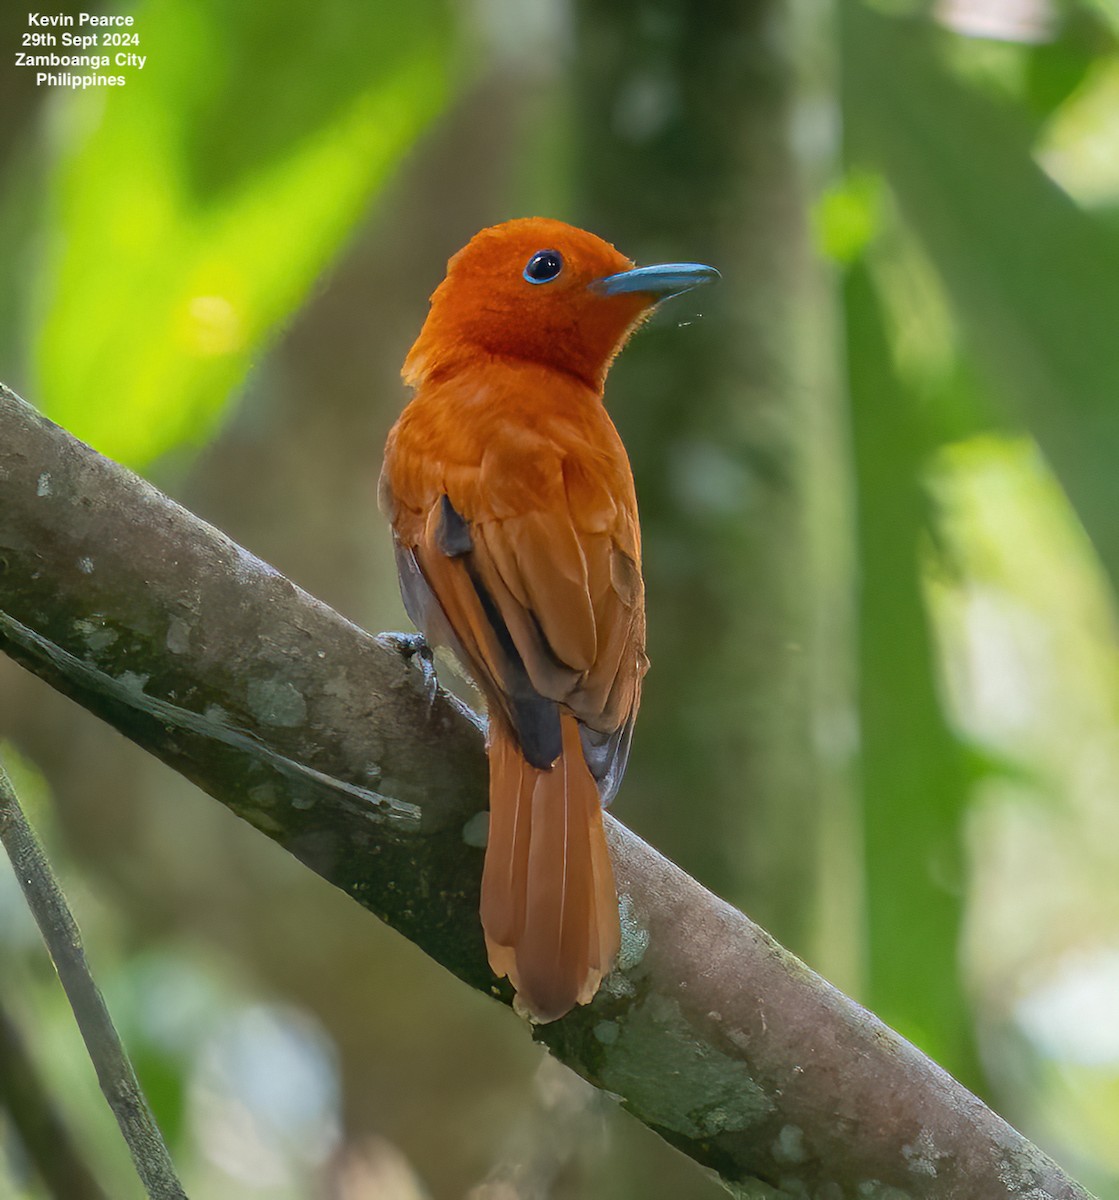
549, 904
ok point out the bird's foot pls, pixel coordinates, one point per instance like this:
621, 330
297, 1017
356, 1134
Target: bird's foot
413, 647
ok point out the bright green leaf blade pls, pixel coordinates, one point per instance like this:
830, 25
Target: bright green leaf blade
1034, 279
193, 208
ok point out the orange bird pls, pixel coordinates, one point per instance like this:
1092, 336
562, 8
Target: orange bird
517, 542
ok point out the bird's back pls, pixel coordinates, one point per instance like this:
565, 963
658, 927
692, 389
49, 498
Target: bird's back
530, 462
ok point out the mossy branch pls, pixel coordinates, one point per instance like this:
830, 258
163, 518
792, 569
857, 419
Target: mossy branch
326, 741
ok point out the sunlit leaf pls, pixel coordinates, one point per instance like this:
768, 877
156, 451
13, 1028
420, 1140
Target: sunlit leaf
1080, 147
193, 208
847, 216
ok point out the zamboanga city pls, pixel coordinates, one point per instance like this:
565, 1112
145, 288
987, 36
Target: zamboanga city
94, 62
123, 58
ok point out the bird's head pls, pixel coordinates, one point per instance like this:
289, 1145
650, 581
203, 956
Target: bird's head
541, 291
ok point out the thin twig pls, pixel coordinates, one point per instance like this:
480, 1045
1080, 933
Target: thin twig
60, 932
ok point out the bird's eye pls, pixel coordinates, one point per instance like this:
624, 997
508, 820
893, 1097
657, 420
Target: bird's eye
544, 266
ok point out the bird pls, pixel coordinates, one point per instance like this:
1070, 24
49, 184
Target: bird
518, 548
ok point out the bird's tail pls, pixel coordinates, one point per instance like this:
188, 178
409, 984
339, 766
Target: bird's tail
549, 904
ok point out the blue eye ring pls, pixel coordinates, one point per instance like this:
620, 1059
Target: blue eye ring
544, 266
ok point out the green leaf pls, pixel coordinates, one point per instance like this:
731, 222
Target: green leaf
192, 209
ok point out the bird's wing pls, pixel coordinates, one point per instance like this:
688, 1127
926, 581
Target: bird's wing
528, 566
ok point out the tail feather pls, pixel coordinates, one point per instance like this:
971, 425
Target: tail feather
505, 876
549, 906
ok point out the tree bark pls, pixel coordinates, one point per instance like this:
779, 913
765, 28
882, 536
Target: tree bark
325, 740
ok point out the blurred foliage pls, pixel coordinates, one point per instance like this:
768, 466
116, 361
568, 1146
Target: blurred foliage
977, 301
165, 243
1032, 277
179, 238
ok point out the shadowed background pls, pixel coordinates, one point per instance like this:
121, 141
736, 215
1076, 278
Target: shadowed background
875, 468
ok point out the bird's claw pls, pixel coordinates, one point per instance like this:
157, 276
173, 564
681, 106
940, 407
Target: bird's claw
413, 647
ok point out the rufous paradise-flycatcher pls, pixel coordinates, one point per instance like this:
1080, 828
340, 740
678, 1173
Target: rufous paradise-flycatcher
517, 542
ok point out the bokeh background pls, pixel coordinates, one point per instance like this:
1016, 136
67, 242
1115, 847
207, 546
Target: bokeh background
878, 475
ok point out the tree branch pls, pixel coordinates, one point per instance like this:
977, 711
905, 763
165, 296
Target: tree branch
299, 722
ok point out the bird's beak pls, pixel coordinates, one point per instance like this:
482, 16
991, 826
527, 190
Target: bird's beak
662, 281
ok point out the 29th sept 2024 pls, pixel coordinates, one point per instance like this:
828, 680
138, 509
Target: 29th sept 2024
81, 50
